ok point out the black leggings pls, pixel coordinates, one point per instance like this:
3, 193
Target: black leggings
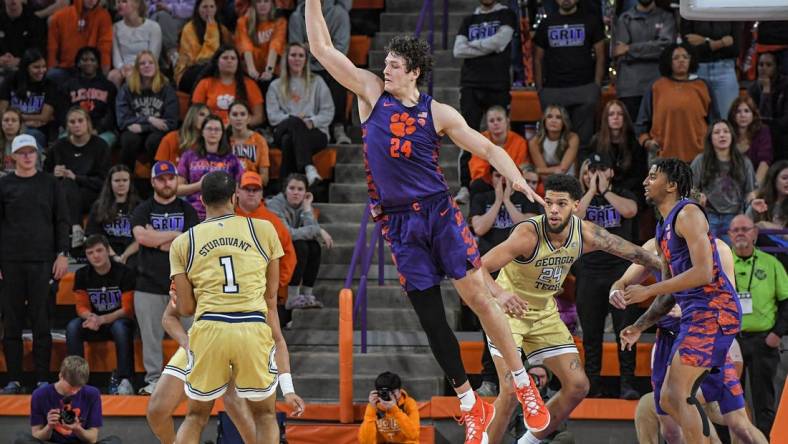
298, 144
428, 305
307, 263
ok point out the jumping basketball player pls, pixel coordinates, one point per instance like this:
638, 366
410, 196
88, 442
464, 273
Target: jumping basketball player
425, 229
533, 264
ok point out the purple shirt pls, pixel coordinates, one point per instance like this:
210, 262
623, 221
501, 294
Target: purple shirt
192, 167
86, 404
761, 148
401, 151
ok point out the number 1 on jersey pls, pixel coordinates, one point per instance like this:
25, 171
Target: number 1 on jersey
229, 274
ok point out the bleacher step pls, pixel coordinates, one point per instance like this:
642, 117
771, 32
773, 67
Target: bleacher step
318, 387
386, 296
398, 21
402, 319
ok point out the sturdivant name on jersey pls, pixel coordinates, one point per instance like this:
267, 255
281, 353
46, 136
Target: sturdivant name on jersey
224, 242
548, 261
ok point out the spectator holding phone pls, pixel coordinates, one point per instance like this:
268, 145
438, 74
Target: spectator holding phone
391, 416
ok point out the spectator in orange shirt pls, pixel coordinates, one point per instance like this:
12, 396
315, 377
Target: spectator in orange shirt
261, 38
391, 415
85, 23
176, 142
251, 204
499, 132
200, 38
248, 146
223, 82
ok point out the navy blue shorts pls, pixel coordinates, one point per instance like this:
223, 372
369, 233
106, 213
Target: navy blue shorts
429, 240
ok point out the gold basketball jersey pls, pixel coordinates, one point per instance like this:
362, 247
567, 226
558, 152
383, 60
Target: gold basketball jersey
226, 259
536, 279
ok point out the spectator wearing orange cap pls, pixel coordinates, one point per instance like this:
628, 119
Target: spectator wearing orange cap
251, 204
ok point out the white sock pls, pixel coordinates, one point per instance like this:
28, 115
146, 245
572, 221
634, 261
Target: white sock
292, 291
467, 400
528, 438
521, 378
307, 290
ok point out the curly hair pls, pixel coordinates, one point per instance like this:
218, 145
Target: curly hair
677, 172
416, 53
564, 183
666, 59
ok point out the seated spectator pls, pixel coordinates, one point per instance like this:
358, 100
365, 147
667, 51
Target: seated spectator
33, 94
223, 82
294, 207
337, 17
33, 245
554, 148
251, 204
12, 126
641, 33
391, 415
147, 108
110, 215
171, 15
104, 290
724, 177
177, 142
769, 209
84, 23
616, 139
248, 146
530, 175
261, 38
212, 153
716, 44
300, 109
200, 38
500, 133
68, 411
131, 35
80, 161
613, 208
676, 109
91, 91
770, 93
764, 306
753, 138
22, 29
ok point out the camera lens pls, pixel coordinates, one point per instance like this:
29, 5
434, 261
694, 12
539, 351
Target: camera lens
384, 394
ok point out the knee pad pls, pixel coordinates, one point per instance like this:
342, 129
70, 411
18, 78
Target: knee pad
692, 400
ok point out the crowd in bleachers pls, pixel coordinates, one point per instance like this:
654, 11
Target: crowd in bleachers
100, 87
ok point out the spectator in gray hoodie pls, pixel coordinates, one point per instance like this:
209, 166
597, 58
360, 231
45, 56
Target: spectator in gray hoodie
641, 34
300, 109
337, 15
294, 207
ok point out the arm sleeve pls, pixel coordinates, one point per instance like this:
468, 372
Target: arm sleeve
242, 40
408, 420
273, 107
105, 39
497, 42
368, 431
62, 225
200, 94
464, 50
325, 109
697, 172
117, 58
139, 216
82, 302
170, 111
98, 172
279, 38
650, 50
123, 112
622, 31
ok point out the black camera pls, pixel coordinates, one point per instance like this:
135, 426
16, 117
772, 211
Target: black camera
67, 414
384, 394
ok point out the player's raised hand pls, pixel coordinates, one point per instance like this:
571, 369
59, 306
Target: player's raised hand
295, 403
616, 299
629, 337
519, 184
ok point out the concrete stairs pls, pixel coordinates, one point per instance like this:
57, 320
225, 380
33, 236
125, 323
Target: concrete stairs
395, 340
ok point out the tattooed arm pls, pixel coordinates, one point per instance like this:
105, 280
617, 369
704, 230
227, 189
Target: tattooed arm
659, 308
597, 238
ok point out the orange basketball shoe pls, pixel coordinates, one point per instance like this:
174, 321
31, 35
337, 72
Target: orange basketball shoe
535, 414
477, 420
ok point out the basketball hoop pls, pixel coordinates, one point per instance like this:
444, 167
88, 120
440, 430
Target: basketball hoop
739, 10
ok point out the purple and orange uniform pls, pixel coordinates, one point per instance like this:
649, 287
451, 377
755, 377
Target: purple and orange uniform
408, 194
710, 314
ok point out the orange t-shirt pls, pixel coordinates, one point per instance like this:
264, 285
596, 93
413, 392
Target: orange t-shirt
288, 262
272, 35
515, 146
219, 96
252, 152
168, 148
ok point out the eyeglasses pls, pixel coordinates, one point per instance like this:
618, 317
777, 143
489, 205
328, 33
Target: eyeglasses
741, 230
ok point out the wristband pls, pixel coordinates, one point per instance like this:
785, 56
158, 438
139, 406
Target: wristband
286, 384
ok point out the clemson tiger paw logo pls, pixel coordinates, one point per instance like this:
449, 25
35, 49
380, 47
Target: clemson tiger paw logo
402, 124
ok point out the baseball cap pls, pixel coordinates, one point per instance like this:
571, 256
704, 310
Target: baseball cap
388, 380
600, 160
250, 178
22, 141
163, 167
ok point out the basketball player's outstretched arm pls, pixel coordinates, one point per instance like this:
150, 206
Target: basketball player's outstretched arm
521, 242
450, 122
366, 85
272, 318
597, 238
691, 224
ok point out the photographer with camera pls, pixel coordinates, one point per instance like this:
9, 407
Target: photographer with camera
391, 416
68, 411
